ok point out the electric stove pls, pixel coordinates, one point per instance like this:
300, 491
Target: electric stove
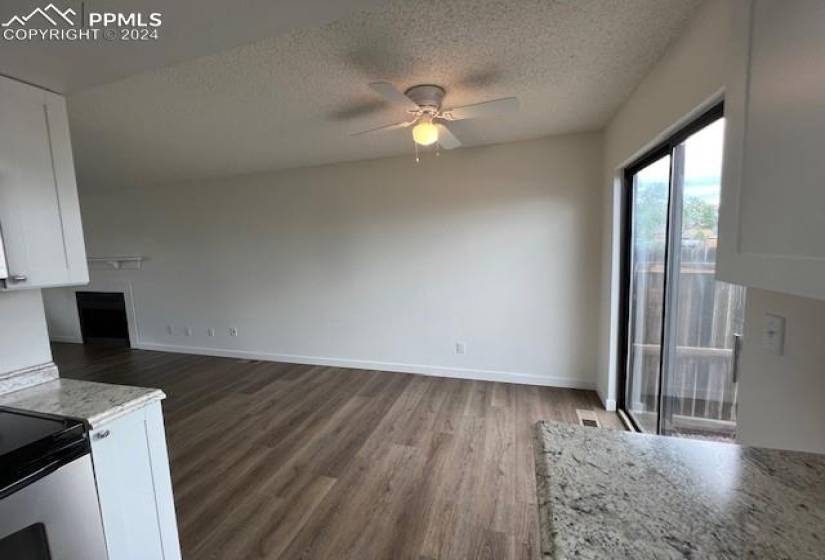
32, 445
49, 506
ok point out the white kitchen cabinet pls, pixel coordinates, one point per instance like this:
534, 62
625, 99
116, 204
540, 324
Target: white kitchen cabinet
39, 211
772, 217
134, 487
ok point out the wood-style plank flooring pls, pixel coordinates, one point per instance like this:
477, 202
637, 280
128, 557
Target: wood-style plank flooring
273, 460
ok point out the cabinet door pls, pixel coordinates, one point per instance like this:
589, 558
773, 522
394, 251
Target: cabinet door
38, 194
162, 480
772, 215
134, 488
77, 269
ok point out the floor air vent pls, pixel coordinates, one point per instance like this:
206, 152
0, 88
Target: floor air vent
588, 418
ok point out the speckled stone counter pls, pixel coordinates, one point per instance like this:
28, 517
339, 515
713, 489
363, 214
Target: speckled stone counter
95, 403
27, 377
618, 495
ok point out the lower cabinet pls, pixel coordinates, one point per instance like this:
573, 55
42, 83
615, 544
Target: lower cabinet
134, 487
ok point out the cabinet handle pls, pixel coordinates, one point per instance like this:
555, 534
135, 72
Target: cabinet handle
18, 278
102, 435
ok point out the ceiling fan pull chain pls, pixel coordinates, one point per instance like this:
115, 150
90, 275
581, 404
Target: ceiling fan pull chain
417, 158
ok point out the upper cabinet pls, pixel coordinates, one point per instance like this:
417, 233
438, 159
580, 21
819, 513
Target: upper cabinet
39, 211
772, 217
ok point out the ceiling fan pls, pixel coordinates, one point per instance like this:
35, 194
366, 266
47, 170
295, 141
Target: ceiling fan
427, 119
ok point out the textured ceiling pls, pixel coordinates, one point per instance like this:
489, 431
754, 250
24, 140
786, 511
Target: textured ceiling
191, 28
292, 100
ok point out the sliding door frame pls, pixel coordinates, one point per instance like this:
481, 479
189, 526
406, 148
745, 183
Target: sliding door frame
667, 147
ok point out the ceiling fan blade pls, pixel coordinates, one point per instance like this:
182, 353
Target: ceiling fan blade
446, 138
394, 96
403, 124
485, 109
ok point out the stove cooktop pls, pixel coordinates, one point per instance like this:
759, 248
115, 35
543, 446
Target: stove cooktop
32, 445
18, 429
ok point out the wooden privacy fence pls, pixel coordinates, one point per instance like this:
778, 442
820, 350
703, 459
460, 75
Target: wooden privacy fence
700, 385
706, 316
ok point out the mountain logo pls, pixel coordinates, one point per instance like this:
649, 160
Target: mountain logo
50, 13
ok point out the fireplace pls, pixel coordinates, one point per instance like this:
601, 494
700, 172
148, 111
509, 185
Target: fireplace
103, 317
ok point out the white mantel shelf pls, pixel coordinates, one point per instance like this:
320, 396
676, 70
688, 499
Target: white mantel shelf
117, 263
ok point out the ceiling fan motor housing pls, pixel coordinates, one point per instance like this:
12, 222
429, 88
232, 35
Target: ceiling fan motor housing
426, 96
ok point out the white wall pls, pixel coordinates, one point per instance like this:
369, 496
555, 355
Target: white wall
61, 314
690, 73
692, 70
380, 264
780, 400
24, 341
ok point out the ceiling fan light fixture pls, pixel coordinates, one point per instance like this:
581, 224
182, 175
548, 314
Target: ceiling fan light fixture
430, 122
425, 133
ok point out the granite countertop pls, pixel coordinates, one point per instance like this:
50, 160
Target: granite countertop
94, 403
27, 377
610, 494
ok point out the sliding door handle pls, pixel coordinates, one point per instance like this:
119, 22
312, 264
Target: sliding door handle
737, 348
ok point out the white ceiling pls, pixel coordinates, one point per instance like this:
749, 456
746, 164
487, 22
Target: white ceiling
292, 99
191, 28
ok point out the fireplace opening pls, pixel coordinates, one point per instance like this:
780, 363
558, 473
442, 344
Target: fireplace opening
103, 317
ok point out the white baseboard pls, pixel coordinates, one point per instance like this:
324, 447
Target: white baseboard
71, 339
609, 404
435, 371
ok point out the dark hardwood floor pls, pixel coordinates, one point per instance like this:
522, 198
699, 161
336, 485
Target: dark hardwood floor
274, 460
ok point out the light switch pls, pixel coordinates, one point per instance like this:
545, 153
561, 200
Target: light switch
773, 334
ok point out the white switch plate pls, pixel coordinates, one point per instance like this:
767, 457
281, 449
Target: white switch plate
773, 334
210, 332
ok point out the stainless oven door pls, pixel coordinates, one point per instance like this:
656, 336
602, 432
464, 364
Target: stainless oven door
54, 518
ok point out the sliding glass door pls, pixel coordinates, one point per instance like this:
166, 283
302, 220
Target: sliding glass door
682, 325
649, 195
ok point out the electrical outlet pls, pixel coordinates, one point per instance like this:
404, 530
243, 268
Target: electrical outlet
460, 348
233, 331
210, 331
170, 329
